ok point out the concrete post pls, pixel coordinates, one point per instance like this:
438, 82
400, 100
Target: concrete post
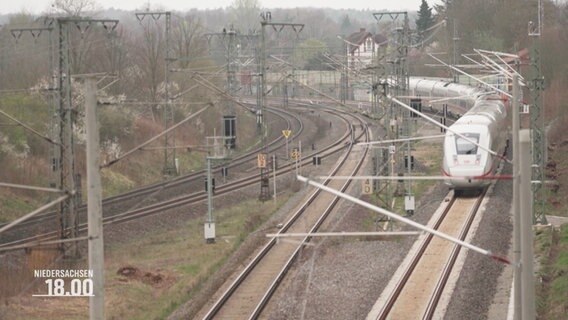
94, 203
287, 152
274, 174
209, 228
527, 272
516, 200
300, 156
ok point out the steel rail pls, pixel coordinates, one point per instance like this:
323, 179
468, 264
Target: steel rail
217, 306
396, 292
187, 199
435, 299
265, 299
157, 187
391, 300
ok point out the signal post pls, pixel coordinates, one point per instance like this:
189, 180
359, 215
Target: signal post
217, 151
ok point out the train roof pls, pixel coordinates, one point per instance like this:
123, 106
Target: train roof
433, 86
484, 110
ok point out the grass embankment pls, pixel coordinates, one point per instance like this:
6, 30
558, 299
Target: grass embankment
12, 207
22, 154
552, 290
551, 244
173, 264
151, 274
26, 156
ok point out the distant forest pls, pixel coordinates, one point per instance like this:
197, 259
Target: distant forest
499, 25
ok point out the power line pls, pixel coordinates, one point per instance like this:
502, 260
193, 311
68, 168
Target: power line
64, 162
165, 132
168, 113
29, 128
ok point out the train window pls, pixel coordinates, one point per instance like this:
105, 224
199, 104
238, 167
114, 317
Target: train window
464, 146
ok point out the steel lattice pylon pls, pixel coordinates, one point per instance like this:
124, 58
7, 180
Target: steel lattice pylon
168, 112
261, 92
170, 150
54, 149
536, 86
233, 44
391, 76
537, 130
64, 159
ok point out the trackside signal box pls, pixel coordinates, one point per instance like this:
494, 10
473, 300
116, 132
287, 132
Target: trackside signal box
212, 184
261, 160
316, 160
411, 162
409, 205
415, 104
209, 231
230, 131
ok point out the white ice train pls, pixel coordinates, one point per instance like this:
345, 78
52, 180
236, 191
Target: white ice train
442, 88
466, 165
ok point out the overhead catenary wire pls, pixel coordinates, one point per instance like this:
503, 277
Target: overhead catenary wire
472, 77
25, 126
126, 154
428, 178
39, 243
438, 28
321, 93
402, 104
508, 71
39, 50
401, 140
22, 90
19, 186
404, 220
33, 213
207, 84
352, 73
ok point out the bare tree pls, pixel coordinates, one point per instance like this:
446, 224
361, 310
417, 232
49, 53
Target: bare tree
23, 58
74, 8
245, 15
187, 39
149, 51
324, 29
80, 43
112, 56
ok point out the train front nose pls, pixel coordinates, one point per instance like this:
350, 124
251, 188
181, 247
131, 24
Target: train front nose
467, 177
465, 171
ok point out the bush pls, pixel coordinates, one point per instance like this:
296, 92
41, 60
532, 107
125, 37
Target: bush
115, 124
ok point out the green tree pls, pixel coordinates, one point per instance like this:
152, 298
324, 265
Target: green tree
425, 19
346, 25
487, 41
309, 54
442, 10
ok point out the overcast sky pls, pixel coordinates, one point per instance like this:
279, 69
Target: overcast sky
39, 6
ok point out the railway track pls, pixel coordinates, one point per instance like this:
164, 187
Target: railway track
419, 289
247, 296
188, 199
293, 122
